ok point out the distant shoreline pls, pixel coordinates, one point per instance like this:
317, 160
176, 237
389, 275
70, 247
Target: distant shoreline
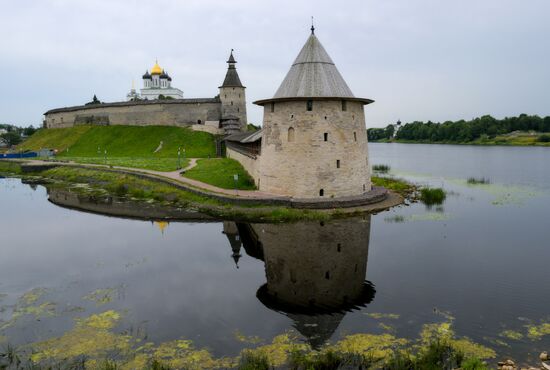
475, 143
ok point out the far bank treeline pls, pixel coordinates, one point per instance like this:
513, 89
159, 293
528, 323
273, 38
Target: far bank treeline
481, 129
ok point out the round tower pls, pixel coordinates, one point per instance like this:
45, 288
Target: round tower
232, 95
314, 141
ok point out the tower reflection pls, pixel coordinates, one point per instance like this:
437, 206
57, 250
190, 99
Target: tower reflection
315, 271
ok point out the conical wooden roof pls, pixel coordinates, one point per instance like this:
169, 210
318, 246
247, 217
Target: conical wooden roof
313, 74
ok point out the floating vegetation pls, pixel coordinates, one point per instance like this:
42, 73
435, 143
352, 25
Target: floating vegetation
478, 181
432, 196
379, 316
102, 296
247, 339
395, 219
27, 305
381, 168
536, 332
511, 334
428, 216
91, 338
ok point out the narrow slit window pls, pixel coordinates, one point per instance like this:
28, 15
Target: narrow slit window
325, 136
344, 105
354, 136
321, 192
337, 163
327, 275
309, 105
272, 107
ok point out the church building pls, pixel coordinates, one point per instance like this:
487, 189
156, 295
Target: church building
155, 84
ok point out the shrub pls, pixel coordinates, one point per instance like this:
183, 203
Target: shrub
254, 361
432, 196
382, 168
544, 139
477, 181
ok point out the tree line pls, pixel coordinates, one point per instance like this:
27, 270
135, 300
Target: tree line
13, 135
461, 131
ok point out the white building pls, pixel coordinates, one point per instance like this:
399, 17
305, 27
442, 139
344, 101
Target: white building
155, 84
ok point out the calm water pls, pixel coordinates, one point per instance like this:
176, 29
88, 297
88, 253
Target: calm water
482, 258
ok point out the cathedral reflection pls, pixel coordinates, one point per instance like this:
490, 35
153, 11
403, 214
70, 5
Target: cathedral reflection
315, 271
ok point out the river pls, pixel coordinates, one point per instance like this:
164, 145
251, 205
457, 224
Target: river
481, 261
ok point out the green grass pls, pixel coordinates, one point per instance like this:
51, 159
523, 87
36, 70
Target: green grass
8, 167
219, 172
157, 164
399, 186
432, 196
124, 141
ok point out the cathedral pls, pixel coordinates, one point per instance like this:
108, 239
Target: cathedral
156, 84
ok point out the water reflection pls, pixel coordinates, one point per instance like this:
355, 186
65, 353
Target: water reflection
315, 271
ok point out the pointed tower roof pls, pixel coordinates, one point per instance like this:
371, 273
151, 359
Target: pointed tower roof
313, 75
232, 77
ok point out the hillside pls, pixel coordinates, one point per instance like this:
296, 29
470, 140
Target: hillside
123, 141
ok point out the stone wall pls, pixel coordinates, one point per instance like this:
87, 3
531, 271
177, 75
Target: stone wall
327, 270
250, 163
183, 112
297, 158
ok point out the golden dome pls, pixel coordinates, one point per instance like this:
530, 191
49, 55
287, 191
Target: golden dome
162, 225
156, 70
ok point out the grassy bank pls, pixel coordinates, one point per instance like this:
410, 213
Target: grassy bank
220, 172
132, 187
513, 139
124, 141
157, 164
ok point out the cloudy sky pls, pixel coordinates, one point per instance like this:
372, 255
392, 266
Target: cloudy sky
418, 59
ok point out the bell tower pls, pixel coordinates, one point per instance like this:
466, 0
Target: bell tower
232, 96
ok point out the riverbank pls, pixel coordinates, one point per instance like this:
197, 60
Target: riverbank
171, 189
522, 139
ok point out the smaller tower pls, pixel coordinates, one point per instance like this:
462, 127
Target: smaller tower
232, 95
146, 80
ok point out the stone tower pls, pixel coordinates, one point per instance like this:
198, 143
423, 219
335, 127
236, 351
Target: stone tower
314, 142
232, 96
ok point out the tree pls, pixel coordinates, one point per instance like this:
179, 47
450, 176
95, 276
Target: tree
28, 131
12, 138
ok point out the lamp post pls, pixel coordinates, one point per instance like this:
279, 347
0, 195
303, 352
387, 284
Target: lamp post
105, 156
236, 179
179, 160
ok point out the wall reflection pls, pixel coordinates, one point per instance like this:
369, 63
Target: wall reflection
315, 271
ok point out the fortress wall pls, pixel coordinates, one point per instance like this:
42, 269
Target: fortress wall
251, 165
302, 165
169, 114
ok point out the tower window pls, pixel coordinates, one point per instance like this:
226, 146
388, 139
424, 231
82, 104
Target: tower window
344, 105
309, 105
272, 107
231, 103
239, 95
238, 110
325, 117
325, 136
290, 134
337, 163
364, 187
199, 121
354, 136
327, 275
339, 247
321, 192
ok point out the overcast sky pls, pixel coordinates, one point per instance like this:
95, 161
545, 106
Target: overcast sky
418, 59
